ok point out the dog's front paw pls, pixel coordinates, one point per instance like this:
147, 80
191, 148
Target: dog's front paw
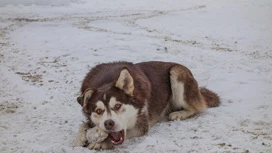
81, 139
96, 135
181, 115
105, 145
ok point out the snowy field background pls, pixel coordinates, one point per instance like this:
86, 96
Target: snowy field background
47, 47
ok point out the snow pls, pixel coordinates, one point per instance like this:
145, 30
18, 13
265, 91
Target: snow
47, 47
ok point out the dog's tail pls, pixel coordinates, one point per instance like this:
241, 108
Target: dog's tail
211, 98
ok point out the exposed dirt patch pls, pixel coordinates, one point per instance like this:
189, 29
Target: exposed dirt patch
30, 20
31, 78
9, 107
218, 47
52, 62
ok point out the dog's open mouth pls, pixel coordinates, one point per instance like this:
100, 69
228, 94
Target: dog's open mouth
117, 138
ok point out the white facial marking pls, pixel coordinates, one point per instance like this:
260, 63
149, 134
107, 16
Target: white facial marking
100, 105
95, 117
112, 102
130, 115
116, 116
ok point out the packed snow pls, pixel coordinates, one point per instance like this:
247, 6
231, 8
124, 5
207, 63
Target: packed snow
47, 47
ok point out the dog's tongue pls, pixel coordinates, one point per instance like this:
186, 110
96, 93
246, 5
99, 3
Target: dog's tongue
116, 135
117, 138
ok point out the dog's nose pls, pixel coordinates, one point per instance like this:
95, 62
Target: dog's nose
109, 124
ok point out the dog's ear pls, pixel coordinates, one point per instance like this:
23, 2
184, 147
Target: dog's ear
125, 82
82, 100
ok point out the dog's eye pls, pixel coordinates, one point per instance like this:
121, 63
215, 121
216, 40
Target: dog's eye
99, 111
117, 106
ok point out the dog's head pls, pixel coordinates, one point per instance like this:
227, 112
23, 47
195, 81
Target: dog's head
111, 106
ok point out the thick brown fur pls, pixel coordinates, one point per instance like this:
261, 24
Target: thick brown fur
211, 98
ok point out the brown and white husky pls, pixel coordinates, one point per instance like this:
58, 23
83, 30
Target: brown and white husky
125, 99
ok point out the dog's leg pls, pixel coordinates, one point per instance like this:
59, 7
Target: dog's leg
98, 139
81, 139
181, 115
185, 94
106, 144
96, 135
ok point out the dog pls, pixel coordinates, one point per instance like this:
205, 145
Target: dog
125, 99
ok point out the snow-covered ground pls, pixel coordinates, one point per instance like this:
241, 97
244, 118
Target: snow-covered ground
47, 47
